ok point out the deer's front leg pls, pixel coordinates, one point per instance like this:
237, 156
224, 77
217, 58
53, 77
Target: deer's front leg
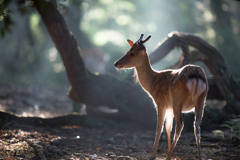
160, 118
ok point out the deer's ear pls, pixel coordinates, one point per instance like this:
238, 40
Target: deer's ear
130, 42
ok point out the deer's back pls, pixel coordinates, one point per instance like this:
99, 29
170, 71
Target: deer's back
179, 85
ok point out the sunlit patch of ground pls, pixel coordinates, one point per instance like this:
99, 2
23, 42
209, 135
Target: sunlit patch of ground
13, 145
35, 101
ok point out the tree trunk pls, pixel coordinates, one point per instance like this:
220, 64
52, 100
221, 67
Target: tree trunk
223, 26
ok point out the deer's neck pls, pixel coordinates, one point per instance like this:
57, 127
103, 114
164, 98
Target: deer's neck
145, 74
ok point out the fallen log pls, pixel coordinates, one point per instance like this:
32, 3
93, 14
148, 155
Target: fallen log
7, 118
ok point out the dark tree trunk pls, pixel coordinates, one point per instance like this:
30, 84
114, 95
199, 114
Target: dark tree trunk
225, 36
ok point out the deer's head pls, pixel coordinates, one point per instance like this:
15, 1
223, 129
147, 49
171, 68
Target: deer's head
135, 56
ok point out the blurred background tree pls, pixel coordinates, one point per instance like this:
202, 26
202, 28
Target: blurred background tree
28, 55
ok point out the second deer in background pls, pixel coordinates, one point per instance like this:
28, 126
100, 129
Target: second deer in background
173, 91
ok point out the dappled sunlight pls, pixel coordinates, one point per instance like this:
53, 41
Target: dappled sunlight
122, 5
34, 23
58, 67
52, 54
31, 112
44, 102
106, 1
210, 33
105, 36
96, 14
34, 20
200, 6
208, 16
123, 19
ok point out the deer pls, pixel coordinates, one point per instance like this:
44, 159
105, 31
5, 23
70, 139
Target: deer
174, 91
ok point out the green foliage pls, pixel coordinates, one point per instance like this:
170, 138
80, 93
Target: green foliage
5, 19
5, 26
234, 126
6, 10
3, 12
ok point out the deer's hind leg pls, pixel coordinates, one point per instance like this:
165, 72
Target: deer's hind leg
199, 109
177, 111
169, 120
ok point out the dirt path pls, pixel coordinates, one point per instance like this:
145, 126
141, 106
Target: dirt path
117, 142
76, 142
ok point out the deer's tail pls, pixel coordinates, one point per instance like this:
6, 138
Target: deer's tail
197, 84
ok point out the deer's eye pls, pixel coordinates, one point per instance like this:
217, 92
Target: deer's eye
131, 54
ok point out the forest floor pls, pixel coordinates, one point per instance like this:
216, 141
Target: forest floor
120, 142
